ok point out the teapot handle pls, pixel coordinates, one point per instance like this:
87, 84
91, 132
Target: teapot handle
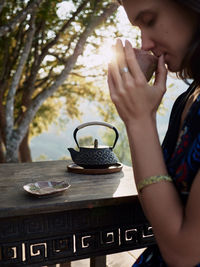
96, 123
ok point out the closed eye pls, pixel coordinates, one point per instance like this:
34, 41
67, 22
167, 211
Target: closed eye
150, 23
145, 18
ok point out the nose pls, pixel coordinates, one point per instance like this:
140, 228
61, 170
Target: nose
147, 43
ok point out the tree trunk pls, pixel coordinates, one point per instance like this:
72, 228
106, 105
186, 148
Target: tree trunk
15, 133
19, 17
24, 150
12, 148
2, 156
13, 136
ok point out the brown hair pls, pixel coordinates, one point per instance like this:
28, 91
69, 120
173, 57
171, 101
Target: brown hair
119, 2
190, 68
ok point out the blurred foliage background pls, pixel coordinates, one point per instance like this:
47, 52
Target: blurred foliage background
53, 57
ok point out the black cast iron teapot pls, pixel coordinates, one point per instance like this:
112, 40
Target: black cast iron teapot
94, 157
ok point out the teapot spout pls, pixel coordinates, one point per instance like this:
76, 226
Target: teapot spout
73, 154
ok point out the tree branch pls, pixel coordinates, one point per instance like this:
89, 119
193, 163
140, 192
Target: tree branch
19, 17
28, 84
60, 59
16, 79
31, 79
64, 27
40, 82
2, 156
2, 4
40, 98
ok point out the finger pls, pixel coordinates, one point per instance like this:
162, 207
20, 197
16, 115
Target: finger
110, 81
121, 60
132, 61
116, 72
112, 87
115, 75
161, 73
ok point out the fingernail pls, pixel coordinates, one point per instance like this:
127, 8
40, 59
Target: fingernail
162, 57
118, 41
127, 43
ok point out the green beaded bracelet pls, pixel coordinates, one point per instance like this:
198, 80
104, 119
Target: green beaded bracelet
153, 180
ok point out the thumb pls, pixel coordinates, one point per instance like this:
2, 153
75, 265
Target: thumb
161, 73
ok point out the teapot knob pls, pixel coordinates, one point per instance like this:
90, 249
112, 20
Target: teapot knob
96, 143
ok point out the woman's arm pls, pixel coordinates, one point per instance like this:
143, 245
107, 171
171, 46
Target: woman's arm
177, 230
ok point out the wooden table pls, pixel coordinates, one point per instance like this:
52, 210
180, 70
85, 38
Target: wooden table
97, 215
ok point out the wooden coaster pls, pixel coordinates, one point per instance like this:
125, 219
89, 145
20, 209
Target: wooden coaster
77, 169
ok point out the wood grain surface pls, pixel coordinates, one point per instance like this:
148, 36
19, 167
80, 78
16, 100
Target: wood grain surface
86, 191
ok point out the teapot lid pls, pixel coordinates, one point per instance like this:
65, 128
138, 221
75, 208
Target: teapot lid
95, 145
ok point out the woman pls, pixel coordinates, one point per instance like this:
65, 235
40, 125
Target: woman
167, 177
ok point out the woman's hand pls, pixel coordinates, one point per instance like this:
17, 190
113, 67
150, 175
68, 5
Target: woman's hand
133, 97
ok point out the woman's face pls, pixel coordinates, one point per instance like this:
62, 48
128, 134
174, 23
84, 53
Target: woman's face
166, 28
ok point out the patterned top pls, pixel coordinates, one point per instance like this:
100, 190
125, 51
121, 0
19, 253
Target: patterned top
182, 157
